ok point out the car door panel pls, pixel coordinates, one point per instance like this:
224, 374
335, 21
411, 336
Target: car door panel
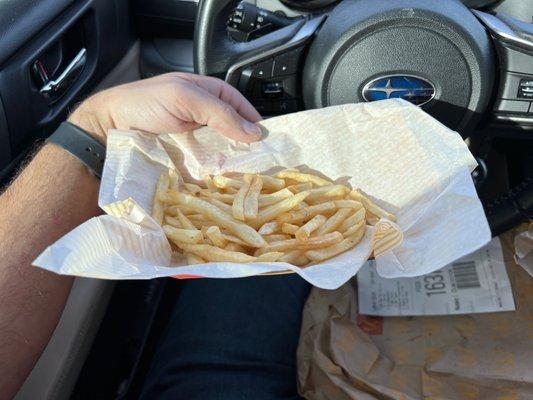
20, 20
55, 38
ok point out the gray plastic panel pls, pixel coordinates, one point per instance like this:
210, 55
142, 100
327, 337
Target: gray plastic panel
517, 61
512, 106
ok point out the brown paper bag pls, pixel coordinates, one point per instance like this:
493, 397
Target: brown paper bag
480, 356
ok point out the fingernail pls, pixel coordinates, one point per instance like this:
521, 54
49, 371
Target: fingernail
251, 129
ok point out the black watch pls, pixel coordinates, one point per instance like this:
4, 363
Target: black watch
81, 145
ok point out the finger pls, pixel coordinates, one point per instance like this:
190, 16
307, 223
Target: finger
228, 122
209, 110
226, 93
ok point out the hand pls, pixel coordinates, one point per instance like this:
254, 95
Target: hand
170, 103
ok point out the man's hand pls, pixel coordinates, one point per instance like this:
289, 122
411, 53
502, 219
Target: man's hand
170, 103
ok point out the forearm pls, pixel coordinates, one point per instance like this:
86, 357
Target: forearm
53, 194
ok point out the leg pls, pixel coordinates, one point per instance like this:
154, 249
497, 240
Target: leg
231, 339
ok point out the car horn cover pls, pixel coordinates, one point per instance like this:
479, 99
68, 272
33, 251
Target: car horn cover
435, 54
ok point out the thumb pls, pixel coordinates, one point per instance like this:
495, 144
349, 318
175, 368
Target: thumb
226, 120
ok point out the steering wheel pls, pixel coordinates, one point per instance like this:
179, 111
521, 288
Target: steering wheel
437, 54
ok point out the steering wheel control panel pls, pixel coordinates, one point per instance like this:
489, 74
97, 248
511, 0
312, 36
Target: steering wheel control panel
515, 50
515, 103
248, 22
272, 85
272, 79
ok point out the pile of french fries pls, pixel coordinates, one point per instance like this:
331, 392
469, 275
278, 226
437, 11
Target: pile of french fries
291, 217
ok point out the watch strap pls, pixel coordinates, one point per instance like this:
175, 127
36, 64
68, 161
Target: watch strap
81, 145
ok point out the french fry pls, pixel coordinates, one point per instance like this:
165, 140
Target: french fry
271, 183
371, 219
251, 201
194, 259
325, 193
289, 229
238, 202
292, 244
301, 177
336, 249
184, 221
173, 210
269, 257
303, 233
272, 198
223, 197
172, 221
290, 256
353, 229
334, 221
300, 206
234, 247
197, 217
300, 187
220, 218
277, 237
301, 260
220, 204
307, 213
202, 224
213, 233
158, 206
212, 253
208, 181
271, 212
234, 239
223, 182
179, 236
192, 188
371, 206
386, 236
348, 204
175, 179
269, 228
352, 220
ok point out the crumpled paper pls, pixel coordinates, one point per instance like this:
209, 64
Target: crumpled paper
346, 356
392, 150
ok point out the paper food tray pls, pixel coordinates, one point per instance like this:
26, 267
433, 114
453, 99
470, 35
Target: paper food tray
391, 150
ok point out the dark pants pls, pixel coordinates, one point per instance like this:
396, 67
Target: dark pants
231, 339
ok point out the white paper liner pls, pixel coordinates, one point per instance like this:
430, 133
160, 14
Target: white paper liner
392, 150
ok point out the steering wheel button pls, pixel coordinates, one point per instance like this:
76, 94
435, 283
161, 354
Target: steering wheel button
287, 63
272, 89
263, 70
525, 89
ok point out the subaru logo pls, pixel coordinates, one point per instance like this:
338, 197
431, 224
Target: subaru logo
412, 88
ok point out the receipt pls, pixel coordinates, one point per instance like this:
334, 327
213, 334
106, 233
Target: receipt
475, 283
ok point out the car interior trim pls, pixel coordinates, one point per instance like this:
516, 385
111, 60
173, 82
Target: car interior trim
501, 30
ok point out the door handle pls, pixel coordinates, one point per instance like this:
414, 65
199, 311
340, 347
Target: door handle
56, 87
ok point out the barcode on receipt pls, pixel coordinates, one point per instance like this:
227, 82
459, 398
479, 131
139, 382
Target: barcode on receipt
466, 275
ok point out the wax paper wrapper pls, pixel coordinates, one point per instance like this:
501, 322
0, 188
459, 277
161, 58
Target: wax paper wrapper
393, 151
